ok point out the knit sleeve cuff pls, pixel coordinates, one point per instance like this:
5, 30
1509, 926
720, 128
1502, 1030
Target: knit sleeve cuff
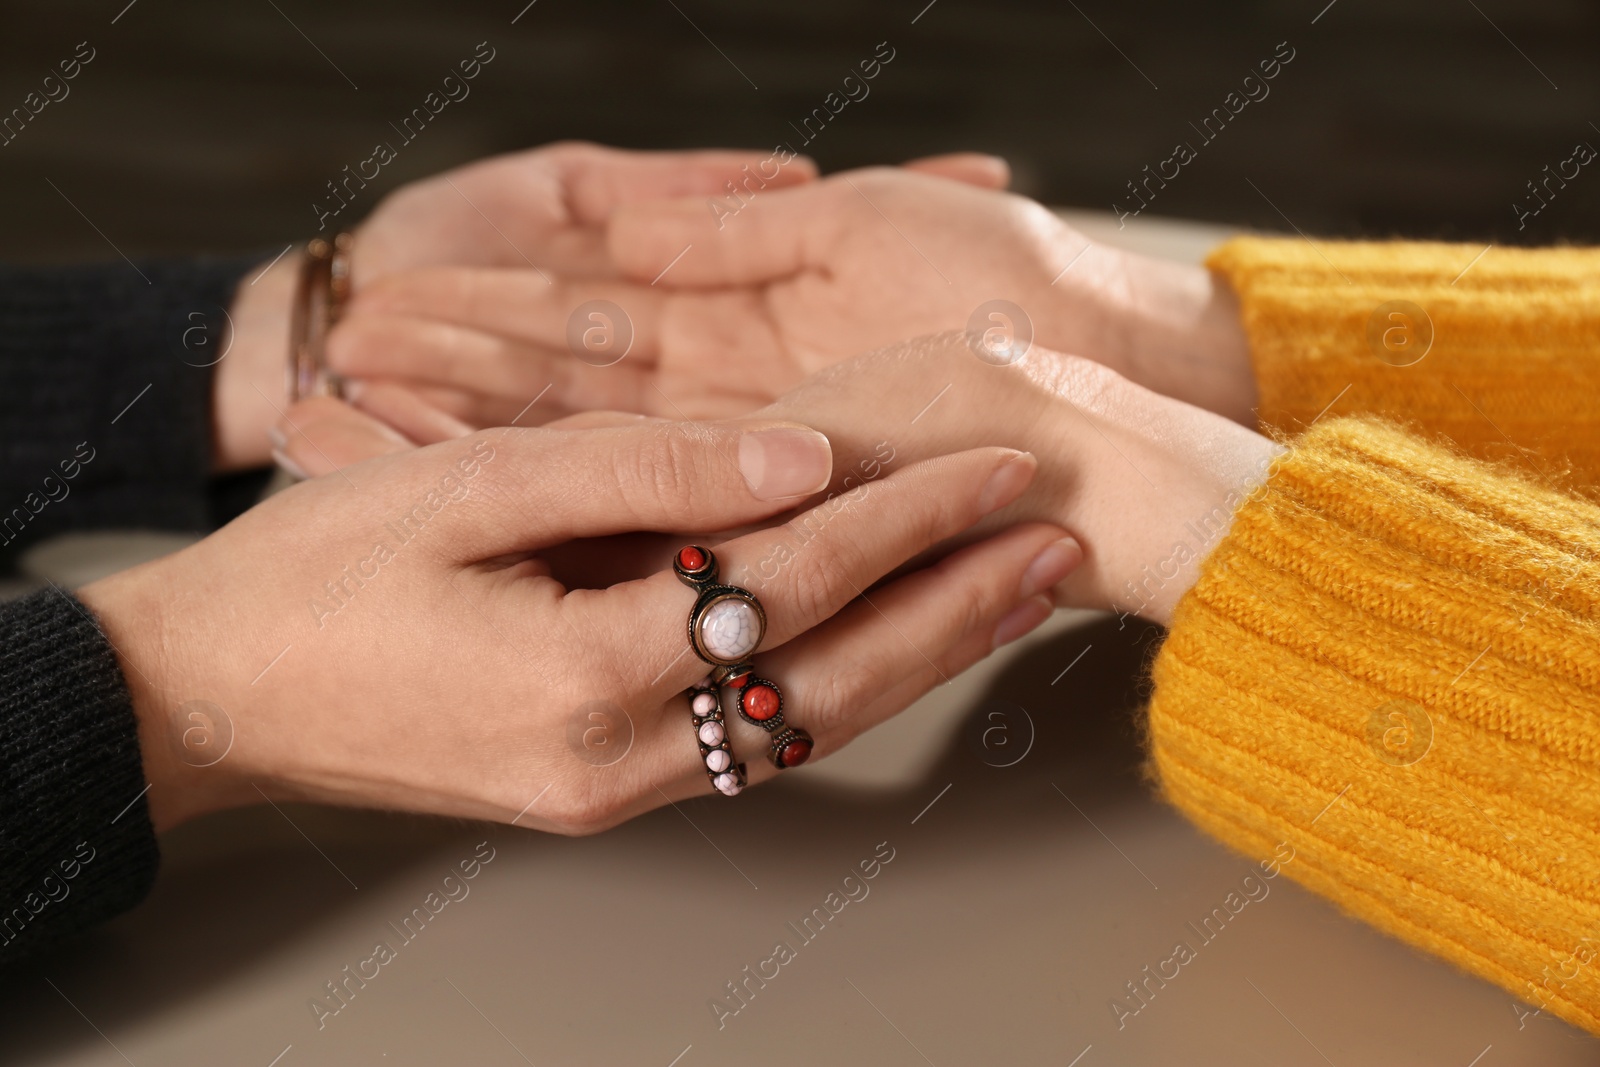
1389, 670
107, 375
76, 842
1498, 349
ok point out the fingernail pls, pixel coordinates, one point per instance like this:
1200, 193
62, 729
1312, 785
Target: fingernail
1051, 565
1022, 619
785, 462
282, 460
275, 435
1007, 483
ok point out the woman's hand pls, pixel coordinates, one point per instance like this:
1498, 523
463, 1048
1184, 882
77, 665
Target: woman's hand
543, 211
729, 308
320, 436
1146, 484
389, 635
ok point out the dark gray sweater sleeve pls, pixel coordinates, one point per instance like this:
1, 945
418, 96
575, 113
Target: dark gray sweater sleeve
76, 844
106, 377
105, 398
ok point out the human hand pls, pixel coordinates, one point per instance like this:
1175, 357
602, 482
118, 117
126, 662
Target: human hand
321, 435
542, 210
1147, 484
440, 668
727, 312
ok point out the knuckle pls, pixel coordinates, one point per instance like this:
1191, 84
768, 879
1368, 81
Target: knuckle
820, 583
651, 475
577, 808
830, 699
971, 608
935, 513
672, 472
833, 700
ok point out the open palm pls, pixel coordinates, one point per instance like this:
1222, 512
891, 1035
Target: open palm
717, 312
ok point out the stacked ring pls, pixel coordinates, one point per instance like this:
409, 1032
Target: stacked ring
321, 292
726, 625
727, 777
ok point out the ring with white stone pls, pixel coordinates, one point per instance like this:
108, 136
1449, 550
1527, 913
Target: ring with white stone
711, 733
726, 623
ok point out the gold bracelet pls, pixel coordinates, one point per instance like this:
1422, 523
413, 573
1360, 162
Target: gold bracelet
320, 296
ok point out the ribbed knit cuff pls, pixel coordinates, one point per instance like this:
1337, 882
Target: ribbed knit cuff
76, 843
106, 380
1390, 669
1514, 357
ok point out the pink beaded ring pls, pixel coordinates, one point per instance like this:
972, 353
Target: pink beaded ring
716, 754
726, 626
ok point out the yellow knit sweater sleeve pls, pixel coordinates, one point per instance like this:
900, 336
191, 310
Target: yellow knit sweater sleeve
1387, 680
1497, 349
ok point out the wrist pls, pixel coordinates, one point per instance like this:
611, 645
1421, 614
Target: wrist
250, 391
1172, 327
1042, 417
1146, 483
182, 740
1187, 340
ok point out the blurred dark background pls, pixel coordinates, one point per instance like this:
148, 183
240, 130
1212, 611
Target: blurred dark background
215, 125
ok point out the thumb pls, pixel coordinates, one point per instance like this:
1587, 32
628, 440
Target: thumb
732, 240
970, 168
543, 486
598, 180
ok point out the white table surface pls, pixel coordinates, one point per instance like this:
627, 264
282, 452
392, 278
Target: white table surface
1019, 901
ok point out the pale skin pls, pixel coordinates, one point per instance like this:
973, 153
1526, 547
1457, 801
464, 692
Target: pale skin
509, 561
542, 210
800, 279
540, 214
1140, 443
445, 681
1139, 479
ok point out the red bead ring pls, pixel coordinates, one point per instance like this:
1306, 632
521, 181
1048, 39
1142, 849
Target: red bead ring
726, 626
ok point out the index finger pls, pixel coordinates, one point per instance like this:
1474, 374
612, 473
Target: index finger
736, 241
804, 571
598, 180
